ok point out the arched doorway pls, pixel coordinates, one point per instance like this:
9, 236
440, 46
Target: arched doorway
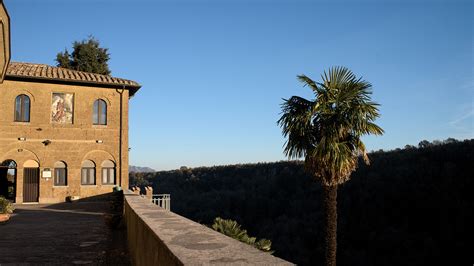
30, 181
8, 179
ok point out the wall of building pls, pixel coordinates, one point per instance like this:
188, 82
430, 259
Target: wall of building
71, 143
159, 237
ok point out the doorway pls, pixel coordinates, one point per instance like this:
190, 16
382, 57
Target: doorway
31, 181
30, 184
8, 180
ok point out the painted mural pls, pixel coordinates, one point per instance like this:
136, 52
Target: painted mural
62, 105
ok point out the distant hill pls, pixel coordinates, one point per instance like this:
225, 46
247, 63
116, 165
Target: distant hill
410, 206
140, 169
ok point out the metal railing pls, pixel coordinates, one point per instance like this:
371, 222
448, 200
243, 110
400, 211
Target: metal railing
162, 200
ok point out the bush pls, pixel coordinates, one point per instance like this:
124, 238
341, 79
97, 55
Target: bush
232, 228
6, 207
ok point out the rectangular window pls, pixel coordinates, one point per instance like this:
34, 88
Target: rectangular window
103, 115
108, 176
91, 176
60, 177
84, 176
26, 113
88, 176
18, 110
95, 113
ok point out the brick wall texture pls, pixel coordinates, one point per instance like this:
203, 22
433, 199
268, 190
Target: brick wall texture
70, 143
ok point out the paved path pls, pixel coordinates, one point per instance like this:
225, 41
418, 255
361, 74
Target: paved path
58, 234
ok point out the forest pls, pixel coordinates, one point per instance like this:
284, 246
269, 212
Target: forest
410, 206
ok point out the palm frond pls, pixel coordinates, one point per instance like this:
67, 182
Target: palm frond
296, 123
327, 130
310, 83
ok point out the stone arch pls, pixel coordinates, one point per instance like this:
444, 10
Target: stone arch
8, 163
102, 97
91, 155
108, 163
30, 164
88, 163
20, 156
60, 164
26, 92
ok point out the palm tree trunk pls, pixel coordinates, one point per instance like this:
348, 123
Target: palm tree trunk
330, 203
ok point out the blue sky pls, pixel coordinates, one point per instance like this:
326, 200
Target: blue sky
214, 72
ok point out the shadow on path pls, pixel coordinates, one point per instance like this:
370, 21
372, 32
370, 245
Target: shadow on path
62, 234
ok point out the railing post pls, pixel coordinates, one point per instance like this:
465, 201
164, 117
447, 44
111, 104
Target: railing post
149, 193
136, 190
162, 200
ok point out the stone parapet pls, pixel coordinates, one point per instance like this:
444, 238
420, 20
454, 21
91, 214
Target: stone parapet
159, 237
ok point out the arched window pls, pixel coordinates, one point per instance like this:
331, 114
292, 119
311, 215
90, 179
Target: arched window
10, 164
108, 172
22, 108
88, 173
60, 174
99, 114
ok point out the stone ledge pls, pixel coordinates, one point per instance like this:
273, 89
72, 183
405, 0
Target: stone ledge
160, 237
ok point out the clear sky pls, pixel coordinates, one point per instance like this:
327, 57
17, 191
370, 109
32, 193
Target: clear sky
214, 72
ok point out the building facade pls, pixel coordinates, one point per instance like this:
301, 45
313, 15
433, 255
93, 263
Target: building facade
63, 133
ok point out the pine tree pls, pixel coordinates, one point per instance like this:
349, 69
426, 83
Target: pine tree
87, 56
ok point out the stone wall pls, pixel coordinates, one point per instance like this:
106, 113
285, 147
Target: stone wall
160, 237
70, 143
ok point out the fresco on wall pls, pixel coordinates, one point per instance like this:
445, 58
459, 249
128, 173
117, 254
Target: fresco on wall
62, 108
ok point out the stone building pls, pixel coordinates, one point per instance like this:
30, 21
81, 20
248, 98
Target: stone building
63, 133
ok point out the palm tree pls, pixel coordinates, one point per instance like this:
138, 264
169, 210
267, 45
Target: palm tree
327, 132
233, 229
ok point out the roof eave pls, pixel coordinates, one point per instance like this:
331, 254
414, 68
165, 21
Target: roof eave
131, 87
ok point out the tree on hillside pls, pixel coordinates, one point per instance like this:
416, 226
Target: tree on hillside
424, 144
327, 132
87, 55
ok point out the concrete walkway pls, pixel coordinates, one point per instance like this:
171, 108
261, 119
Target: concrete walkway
58, 234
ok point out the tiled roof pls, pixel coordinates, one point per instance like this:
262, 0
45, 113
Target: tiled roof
59, 74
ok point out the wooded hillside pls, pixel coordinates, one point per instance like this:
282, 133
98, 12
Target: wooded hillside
411, 206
